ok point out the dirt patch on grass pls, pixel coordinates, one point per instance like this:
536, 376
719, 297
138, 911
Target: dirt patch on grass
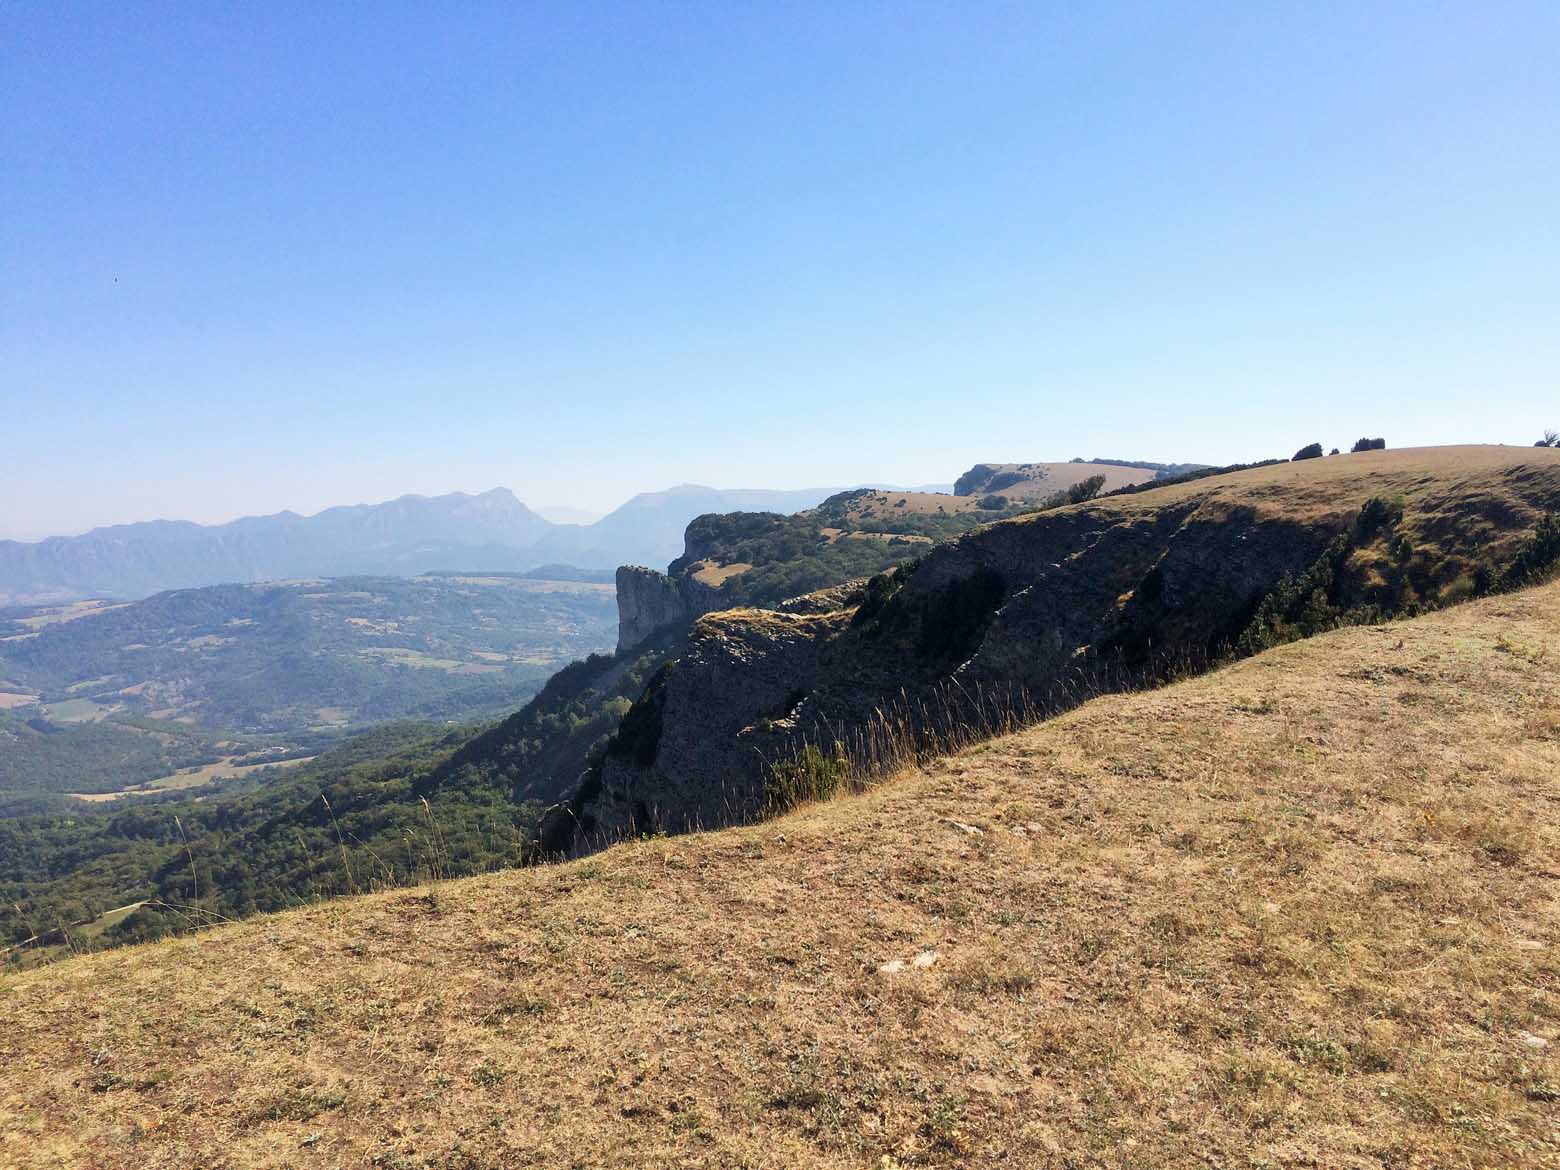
709, 573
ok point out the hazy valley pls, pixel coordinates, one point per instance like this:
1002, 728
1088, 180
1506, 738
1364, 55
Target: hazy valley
199, 686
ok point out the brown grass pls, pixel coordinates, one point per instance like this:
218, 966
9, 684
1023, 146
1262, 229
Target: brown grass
1320, 487
709, 573
1049, 478
878, 504
1298, 912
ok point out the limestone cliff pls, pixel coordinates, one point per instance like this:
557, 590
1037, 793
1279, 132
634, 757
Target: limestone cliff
1051, 607
649, 602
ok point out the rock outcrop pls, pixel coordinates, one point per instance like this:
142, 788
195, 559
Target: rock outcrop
650, 602
1052, 608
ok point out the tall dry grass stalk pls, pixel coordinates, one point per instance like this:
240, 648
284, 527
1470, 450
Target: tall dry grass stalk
909, 730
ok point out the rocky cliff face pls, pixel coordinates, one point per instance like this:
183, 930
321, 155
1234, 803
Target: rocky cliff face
649, 602
1053, 608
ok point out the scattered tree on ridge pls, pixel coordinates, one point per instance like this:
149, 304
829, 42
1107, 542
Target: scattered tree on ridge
1086, 490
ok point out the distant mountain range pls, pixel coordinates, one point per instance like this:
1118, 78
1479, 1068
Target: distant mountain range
648, 529
407, 536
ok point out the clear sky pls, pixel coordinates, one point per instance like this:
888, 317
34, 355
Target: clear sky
256, 256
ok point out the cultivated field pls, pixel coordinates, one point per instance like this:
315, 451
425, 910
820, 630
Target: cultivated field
226, 769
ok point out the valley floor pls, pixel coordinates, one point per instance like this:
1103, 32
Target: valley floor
1298, 912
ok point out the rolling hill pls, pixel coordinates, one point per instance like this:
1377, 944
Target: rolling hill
100, 698
1036, 481
1295, 912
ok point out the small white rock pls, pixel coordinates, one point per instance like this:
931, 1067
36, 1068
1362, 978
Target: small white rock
1532, 1041
925, 959
892, 967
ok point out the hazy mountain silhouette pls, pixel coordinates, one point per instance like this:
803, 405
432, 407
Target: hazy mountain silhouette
409, 535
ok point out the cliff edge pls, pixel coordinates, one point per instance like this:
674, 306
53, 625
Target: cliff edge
1036, 613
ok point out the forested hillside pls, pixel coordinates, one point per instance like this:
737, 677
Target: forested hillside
102, 698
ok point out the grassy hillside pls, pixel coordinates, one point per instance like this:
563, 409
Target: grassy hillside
1295, 912
1040, 609
282, 846
1037, 481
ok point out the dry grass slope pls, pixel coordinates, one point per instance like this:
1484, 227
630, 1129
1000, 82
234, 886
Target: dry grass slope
1319, 487
1299, 912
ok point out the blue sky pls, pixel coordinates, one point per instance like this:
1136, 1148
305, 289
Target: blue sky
270, 255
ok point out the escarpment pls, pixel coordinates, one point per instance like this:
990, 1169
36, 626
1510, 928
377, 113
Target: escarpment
1043, 611
649, 602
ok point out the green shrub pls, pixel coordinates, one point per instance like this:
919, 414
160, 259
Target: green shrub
1297, 606
1377, 513
1310, 451
1368, 445
810, 776
1086, 490
880, 590
1538, 557
1312, 602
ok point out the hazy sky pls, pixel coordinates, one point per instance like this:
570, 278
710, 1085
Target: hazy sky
267, 255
